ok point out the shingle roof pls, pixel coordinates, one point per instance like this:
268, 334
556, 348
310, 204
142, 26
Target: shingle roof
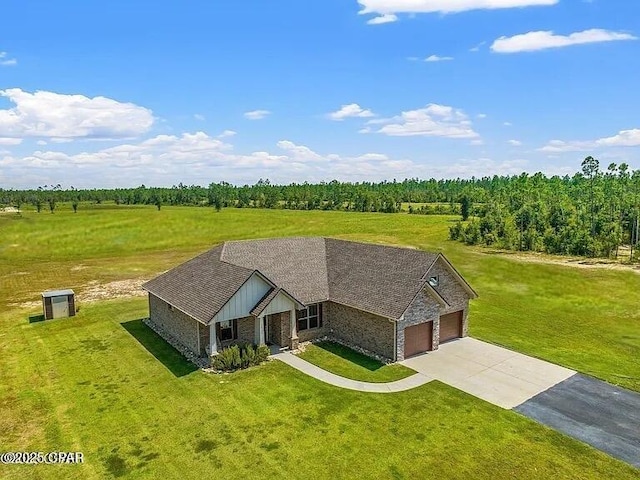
264, 302
375, 278
295, 264
201, 286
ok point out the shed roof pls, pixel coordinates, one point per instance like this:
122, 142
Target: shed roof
57, 293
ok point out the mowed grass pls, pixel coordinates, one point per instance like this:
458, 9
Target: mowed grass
103, 384
348, 363
585, 319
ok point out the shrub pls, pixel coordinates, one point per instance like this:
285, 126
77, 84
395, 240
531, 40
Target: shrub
262, 353
239, 356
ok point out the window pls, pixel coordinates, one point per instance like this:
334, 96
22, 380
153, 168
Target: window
227, 330
434, 281
310, 317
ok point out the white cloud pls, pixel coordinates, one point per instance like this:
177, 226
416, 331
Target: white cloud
432, 121
199, 116
10, 141
386, 18
227, 133
349, 111
391, 7
514, 143
541, 40
7, 62
476, 48
66, 117
257, 114
507, 124
436, 58
625, 138
482, 115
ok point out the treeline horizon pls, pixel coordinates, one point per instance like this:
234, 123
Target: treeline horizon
592, 212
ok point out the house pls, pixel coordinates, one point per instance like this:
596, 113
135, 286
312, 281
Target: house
390, 301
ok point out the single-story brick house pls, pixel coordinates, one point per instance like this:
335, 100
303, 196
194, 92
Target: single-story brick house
394, 302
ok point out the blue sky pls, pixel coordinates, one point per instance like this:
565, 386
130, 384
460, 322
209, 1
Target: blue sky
121, 93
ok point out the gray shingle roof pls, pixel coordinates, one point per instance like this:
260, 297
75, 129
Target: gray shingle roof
375, 278
201, 286
264, 302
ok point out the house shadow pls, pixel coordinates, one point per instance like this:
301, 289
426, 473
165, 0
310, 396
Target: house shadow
351, 355
159, 348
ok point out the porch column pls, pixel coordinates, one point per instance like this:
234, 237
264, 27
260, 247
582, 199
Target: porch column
213, 339
294, 329
260, 330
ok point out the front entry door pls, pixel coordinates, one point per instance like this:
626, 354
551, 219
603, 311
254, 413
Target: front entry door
60, 307
267, 329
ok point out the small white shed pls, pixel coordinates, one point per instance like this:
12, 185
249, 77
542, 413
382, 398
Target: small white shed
58, 304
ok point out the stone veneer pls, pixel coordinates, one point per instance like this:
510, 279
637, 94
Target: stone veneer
352, 326
279, 329
453, 293
183, 327
423, 309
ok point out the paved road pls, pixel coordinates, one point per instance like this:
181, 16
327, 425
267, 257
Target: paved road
604, 416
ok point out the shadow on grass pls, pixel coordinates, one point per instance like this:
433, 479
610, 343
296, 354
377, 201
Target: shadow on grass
351, 355
159, 348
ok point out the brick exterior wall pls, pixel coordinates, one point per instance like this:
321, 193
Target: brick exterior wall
314, 333
279, 329
423, 309
246, 330
453, 293
179, 324
366, 330
204, 338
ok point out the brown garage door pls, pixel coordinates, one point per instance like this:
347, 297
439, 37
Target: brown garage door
417, 339
450, 326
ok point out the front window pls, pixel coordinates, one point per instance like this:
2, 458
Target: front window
227, 330
310, 317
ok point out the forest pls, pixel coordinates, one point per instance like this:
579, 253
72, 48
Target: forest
592, 213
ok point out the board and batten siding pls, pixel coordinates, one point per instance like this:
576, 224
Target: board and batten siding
243, 301
281, 303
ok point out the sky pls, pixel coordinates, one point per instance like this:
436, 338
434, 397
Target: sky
131, 92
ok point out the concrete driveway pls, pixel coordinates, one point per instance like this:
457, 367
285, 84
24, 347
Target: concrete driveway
495, 374
602, 415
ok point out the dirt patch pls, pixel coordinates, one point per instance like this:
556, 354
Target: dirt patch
94, 291
577, 262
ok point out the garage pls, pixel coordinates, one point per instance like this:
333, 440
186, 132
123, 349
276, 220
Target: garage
450, 326
418, 339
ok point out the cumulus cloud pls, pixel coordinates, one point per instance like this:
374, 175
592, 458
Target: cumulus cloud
386, 18
625, 138
7, 62
349, 111
66, 117
542, 40
432, 121
437, 58
199, 116
515, 143
392, 7
257, 114
10, 141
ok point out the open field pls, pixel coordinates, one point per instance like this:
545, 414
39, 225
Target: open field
103, 384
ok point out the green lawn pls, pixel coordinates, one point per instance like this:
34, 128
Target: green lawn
105, 385
348, 363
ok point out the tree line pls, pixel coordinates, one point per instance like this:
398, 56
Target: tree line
595, 213
592, 212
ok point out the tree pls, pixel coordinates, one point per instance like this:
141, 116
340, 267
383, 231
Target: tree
465, 207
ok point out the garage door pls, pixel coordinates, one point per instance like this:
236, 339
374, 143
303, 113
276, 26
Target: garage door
450, 326
417, 339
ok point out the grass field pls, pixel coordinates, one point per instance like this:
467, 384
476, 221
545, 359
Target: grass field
103, 384
348, 363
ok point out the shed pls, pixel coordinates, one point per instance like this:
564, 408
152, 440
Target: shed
58, 304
